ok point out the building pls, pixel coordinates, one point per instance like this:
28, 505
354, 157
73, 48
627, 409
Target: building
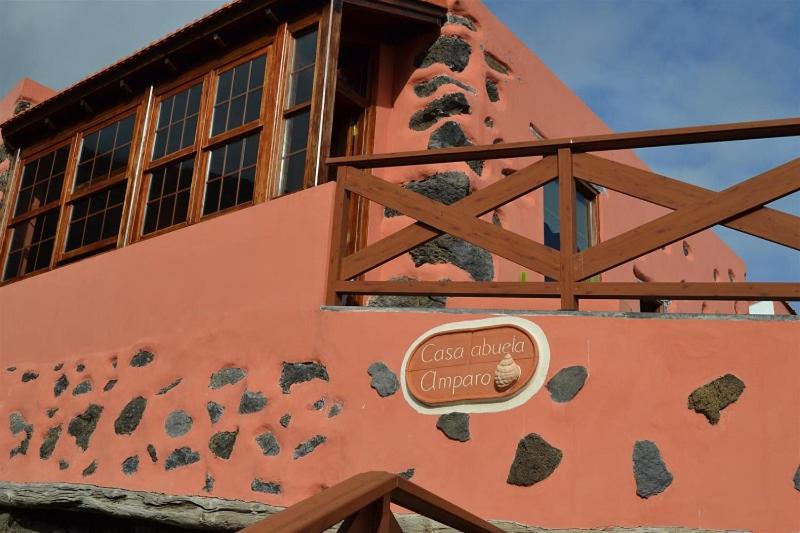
166, 270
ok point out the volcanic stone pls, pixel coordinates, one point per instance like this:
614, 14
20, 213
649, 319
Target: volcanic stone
209, 484
488, 122
181, 457
455, 426
151, 451
567, 383
446, 106
450, 134
178, 423
267, 487
226, 376
109, 385
293, 373
29, 376
383, 379
285, 419
427, 88
89, 470
494, 63
251, 402
388, 300
649, 470
11, 369
128, 420
80, 367
407, 474
58, 367
169, 387
304, 448
221, 444
82, 426
319, 404
82, 388
61, 385
715, 396
62, 464
534, 461
796, 479
130, 465
334, 410
17, 424
492, 91
215, 411
52, 412
142, 358
268, 443
50, 441
451, 50
452, 18
444, 187
448, 249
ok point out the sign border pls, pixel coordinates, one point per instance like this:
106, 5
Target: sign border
483, 406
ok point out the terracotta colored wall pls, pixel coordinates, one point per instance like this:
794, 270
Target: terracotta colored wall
244, 290
529, 94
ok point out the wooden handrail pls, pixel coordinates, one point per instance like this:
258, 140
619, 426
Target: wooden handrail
737, 131
362, 504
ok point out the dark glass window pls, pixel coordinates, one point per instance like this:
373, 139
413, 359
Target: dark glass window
96, 217
168, 196
238, 99
231, 175
31, 245
177, 121
301, 81
41, 181
294, 159
105, 153
583, 217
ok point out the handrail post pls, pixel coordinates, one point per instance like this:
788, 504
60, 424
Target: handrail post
567, 232
341, 209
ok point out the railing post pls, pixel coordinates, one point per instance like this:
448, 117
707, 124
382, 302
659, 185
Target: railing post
341, 208
566, 220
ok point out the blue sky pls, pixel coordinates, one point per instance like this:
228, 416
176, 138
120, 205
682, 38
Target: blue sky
640, 64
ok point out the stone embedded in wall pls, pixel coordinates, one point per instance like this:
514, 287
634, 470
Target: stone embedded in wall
450, 50
61, 385
130, 416
169, 387
62, 464
318, 405
226, 376
496, 218
151, 451
29, 376
566, 384
89, 470
649, 470
334, 410
18, 424
448, 249
142, 358
407, 474
492, 90
495, 64
52, 412
215, 411
488, 122
449, 135
11, 369
444, 187
423, 302
181, 457
178, 423
507, 171
49, 442
109, 385
82, 426
252, 402
209, 484
796, 478
449, 105
58, 367
268, 443
384, 381
21, 105
80, 367
715, 396
82, 388
306, 447
534, 461
267, 487
114, 361
427, 88
455, 426
285, 419
130, 465
460, 20
221, 444
294, 373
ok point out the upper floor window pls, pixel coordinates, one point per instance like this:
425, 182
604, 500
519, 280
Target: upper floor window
585, 216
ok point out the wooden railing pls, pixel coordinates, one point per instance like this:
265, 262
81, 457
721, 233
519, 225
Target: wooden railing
740, 207
361, 503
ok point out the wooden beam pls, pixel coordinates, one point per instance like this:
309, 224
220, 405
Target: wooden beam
690, 291
341, 210
730, 203
474, 205
515, 289
593, 143
567, 231
765, 223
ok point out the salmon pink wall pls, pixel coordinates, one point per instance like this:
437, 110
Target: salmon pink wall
244, 291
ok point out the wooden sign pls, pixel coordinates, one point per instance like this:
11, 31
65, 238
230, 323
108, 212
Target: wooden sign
479, 365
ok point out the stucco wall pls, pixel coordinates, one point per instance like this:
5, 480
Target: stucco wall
243, 291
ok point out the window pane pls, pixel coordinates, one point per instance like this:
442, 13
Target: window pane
177, 131
96, 217
166, 184
110, 155
236, 88
41, 181
552, 232
231, 174
294, 154
583, 227
236, 113
31, 247
305, 50
294, 168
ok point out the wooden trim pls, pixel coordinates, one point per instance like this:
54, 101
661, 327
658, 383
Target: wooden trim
143, 117
168, 159
690, 291
11, 199
419, 11
88, 249
520, 289
231, 135
83, 192
66, 191
567, 230
317, 93
332, 24
338, 247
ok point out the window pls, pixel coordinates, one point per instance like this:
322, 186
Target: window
585, 225
238, 99
168, 197
177, 121
105, 153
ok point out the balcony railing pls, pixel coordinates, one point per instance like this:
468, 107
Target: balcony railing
740, 207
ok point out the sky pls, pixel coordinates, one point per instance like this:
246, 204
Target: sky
639, 64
